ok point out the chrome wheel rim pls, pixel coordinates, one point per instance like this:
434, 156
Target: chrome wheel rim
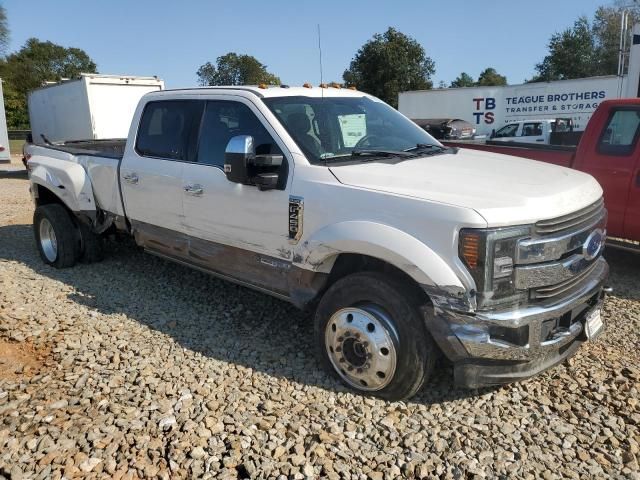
48, 241
360, 344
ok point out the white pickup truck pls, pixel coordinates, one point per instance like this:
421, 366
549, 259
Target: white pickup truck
531, 131
330, 199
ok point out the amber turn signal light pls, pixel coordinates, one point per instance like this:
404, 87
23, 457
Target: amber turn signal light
471, 249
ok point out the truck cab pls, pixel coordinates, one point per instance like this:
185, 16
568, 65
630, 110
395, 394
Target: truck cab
609, 150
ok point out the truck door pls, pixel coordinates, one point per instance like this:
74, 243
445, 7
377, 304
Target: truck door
632, 212
151, 173
613, 162
236, 230
507, 133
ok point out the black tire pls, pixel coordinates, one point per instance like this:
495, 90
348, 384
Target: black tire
416, 352
91, 245
66, 235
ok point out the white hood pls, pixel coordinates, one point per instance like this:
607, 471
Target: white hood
505, 190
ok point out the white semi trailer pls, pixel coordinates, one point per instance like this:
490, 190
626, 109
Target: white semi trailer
91, 107
490, 108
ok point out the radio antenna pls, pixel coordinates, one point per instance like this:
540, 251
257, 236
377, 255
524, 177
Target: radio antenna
320, 56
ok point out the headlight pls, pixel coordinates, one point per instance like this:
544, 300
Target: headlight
489, 254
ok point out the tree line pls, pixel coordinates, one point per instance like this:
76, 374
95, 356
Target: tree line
387, 64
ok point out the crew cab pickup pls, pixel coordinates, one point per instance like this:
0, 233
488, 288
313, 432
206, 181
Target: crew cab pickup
332, 200
610, 151
531, 131
524, 132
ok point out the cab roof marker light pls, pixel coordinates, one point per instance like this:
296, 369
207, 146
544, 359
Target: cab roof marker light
324, 85
352, 87
307, 85
263, 86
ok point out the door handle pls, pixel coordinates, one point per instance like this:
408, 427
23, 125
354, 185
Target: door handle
131, 178
194, 189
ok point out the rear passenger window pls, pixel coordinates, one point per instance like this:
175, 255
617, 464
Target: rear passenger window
531, 129
224, 120
621, 133
169, 129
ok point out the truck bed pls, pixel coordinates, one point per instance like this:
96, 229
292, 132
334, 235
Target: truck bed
99, 159
111, 148
556, 154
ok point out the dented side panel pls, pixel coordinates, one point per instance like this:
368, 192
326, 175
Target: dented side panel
66, 179
266, 273
380, 241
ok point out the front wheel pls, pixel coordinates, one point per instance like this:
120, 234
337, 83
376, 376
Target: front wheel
371, 334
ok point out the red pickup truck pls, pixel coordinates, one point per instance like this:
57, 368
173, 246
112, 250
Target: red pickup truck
609, 150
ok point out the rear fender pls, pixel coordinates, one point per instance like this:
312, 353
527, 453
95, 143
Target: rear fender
68, 181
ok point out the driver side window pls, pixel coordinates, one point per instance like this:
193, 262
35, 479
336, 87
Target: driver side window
224, 120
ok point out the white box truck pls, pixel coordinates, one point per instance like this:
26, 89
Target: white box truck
91, 107
5, 153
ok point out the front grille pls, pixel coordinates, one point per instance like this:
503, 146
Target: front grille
562, 288
573, 221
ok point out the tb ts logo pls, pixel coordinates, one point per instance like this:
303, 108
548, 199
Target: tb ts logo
481, 107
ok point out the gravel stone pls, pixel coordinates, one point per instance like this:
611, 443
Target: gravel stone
138, 368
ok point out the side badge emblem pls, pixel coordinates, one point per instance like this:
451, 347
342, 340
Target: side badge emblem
296, 205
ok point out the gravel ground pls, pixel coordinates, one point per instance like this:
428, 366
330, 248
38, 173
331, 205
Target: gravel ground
137, 368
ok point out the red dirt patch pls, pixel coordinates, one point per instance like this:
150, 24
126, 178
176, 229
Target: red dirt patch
21, 359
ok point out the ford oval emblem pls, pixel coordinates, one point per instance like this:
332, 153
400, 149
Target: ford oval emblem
593, 244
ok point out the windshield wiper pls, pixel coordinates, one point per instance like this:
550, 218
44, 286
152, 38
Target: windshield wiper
425, 146
379, 153
370, 153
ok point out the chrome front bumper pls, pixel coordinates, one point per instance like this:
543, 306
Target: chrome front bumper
501, 346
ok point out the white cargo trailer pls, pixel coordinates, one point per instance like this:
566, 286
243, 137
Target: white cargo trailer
5, 153
90, 107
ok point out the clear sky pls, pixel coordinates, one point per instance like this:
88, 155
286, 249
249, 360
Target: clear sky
172, 39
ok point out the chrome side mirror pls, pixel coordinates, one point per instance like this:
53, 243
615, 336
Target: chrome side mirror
238, 155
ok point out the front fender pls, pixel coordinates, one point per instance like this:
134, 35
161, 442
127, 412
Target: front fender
381, 241
68, 181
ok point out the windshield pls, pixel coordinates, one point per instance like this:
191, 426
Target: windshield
334, 127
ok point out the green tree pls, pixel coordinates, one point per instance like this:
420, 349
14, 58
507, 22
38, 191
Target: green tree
388, 64
572, 54
463, 80
35, 63
606, 32
234, 69
588, 48
490, 78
